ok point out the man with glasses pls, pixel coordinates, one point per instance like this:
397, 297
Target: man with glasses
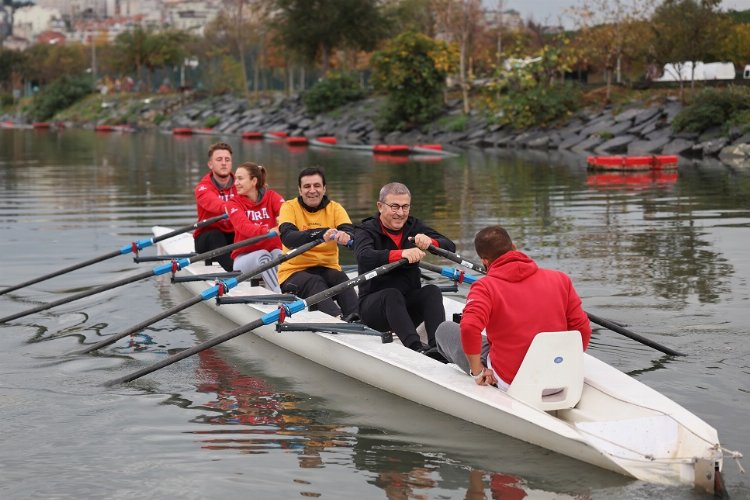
397, 301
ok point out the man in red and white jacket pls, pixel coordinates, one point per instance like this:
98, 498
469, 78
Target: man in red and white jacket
513, 303
212, 193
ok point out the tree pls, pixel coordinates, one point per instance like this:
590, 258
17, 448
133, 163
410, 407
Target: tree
10, 62
313, 29
412, 70
688, 31
608, 34
460, 21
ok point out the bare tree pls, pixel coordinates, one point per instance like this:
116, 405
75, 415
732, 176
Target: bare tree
459, 21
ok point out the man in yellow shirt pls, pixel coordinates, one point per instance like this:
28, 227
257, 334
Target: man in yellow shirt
310, 216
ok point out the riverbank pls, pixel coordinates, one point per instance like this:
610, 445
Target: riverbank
633, 129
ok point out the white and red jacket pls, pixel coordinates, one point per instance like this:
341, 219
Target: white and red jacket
515, 301
250, 219
211, 201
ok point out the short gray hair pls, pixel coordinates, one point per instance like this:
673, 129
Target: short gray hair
393, 188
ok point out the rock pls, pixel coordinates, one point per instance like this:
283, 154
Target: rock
637, 148
588, 144
676, 146
735, 151
616, 145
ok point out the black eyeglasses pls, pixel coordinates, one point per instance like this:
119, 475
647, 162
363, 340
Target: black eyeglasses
395, 207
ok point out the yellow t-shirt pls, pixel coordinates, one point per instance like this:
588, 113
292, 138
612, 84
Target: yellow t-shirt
326, 254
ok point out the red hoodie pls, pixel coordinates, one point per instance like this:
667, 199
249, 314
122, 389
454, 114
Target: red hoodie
251, 219
210, 202
515, 301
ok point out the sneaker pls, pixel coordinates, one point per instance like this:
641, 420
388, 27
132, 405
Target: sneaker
432, 352
351, 318
419, 347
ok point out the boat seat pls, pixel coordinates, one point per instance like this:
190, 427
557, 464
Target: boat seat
551, 375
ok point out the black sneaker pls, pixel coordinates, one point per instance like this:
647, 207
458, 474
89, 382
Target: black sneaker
432, 352
352, 318
419, 347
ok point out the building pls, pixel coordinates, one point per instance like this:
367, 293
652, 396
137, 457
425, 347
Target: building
29, 22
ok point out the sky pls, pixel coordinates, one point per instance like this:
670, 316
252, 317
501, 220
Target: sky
549, 11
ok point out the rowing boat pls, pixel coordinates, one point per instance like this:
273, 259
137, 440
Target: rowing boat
618, 424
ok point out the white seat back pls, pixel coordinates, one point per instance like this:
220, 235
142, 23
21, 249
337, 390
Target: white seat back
551, 375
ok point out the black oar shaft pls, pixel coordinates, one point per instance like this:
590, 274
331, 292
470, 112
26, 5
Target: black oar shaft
610, 325
80, 295
140, 326
157, 271
124, 250
456, 258
266, 319
209, 293
632, 335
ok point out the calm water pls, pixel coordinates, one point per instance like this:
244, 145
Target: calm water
668, 257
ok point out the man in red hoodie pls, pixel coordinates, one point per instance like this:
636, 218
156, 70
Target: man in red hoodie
212, 193
513, 303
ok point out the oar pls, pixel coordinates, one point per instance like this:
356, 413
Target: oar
175, 265
449, 272
207, 294
136, 245
266, 319
608, 324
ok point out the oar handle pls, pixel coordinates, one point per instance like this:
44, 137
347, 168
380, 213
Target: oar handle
624, 331
266, 319
442, 252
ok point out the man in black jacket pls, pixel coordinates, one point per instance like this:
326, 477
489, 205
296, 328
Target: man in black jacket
397, 301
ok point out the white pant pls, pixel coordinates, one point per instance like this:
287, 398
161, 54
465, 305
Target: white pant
249, 261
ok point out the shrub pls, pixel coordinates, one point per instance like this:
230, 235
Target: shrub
715, 107
211, 121
538, 105
335, 90
58, 95
411, 70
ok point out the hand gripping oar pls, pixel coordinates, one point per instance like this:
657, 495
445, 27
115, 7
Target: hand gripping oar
133, 247
266, 319
220, 288
608, 324
173, 266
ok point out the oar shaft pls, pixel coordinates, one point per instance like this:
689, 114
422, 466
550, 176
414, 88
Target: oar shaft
140, 244
140, 326
266, 319
66, 270
456, 258
632, 335
209, 293
157, 271
81, 295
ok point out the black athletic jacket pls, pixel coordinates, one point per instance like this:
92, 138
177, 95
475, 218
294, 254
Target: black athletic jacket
372, 246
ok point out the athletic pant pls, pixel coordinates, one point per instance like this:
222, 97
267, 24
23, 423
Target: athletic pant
313, 280
389, 309
213, 239
448, 337
249, 261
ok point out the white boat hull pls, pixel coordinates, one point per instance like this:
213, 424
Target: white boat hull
619, 424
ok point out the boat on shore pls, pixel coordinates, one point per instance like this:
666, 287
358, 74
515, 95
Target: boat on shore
617, 423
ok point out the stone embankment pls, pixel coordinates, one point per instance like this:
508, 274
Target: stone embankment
633, 131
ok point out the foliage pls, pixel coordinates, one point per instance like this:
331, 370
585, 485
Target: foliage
212, 121
58, 95
225, 76
313, 29
689, 30
333, 91
44, 63
539, 105
715, 107
737, 44
10, 61
411, 70
140, 48
454, 123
